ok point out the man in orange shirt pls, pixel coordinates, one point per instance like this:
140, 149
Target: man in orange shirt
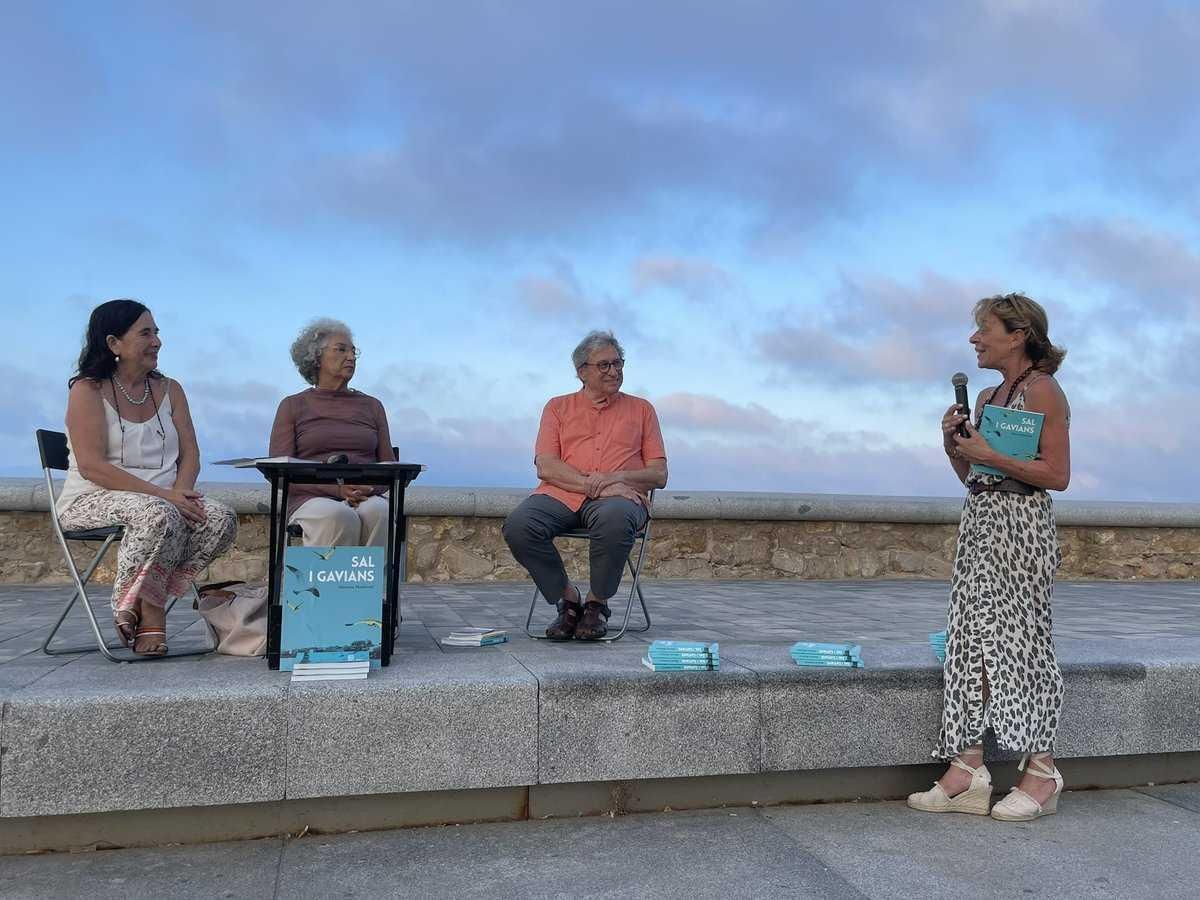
598, 453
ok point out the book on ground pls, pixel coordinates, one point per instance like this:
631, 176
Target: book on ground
1013, 432
332, 601
831, 663
477, 633
815, 647
658, 651
813, 653
331, 671
683, 656
937, 641
475, 637
682, 645
679, 667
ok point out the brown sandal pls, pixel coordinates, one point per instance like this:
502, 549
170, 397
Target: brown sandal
157, 648
125, 621
563, 628
593, 625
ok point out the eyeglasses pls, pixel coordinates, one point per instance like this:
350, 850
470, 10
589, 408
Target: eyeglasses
607, 365
343, 350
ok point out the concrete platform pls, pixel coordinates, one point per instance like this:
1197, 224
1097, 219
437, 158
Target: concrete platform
530, 724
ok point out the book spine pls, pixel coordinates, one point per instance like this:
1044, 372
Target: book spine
832, 664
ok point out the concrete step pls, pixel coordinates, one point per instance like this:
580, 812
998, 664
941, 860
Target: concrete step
93, 737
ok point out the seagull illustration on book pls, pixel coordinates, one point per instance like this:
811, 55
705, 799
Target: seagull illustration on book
291, 569
294, 607
312, 591
374, 623
327, 555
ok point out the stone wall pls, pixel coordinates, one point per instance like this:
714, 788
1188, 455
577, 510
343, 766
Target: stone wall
470, 548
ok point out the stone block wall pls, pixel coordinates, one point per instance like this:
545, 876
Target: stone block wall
470, 548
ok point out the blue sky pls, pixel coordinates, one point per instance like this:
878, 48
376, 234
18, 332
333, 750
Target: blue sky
785, 211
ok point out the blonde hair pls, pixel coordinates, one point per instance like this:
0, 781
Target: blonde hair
1018, 312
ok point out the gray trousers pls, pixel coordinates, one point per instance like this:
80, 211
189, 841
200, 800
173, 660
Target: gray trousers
531, 528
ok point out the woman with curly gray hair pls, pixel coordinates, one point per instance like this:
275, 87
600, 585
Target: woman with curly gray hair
331, 417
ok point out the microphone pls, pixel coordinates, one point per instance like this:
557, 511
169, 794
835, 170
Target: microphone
959, 380
334, 459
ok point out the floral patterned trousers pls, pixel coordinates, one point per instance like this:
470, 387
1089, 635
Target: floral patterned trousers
160, 551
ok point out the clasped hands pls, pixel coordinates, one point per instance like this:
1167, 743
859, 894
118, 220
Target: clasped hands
354, 494
188, 502
973, 448
609, 484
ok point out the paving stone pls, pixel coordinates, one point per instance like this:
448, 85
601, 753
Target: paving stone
1088, 849
426, 722
887, 713
242, 869
604, 715
679, 856
92, 736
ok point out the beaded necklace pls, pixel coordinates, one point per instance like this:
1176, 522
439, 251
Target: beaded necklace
162, 429
1012, 390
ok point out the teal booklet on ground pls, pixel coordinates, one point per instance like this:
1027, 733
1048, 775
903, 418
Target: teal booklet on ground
332, 605
1013, 432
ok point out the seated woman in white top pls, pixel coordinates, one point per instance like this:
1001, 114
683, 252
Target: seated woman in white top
134, 462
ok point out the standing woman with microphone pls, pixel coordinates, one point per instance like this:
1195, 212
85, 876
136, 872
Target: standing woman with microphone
1001, 672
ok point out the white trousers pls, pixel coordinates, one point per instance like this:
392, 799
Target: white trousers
334, 523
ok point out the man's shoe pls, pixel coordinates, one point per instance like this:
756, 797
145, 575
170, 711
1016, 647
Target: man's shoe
593, 625
563, 628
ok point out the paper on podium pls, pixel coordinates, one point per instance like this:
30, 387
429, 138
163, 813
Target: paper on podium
246, 462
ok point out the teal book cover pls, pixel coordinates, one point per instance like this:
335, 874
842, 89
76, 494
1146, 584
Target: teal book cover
825, 649
830, 663
1013, 432
332, 605
678, 667
684, 645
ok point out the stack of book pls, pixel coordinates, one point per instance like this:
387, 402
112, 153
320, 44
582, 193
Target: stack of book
810, 653
475, 637
332, 671
683, 656
937, 641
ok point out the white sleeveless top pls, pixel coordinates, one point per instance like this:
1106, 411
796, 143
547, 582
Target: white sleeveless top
142, 449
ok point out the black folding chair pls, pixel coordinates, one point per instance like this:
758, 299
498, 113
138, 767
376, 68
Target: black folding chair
52, 449
640, 540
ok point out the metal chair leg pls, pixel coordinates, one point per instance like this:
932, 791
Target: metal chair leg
101, 645
81, 594
635, 589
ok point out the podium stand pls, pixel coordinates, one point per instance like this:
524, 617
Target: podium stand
282, 475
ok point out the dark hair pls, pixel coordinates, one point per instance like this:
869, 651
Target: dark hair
1016, 311
115, 317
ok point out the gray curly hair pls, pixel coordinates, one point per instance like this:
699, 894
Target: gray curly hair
307, 347
592, 342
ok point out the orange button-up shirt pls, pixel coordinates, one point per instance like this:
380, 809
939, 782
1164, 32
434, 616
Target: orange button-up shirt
618, 433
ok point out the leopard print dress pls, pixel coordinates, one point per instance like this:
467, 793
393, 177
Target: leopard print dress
1000, 622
